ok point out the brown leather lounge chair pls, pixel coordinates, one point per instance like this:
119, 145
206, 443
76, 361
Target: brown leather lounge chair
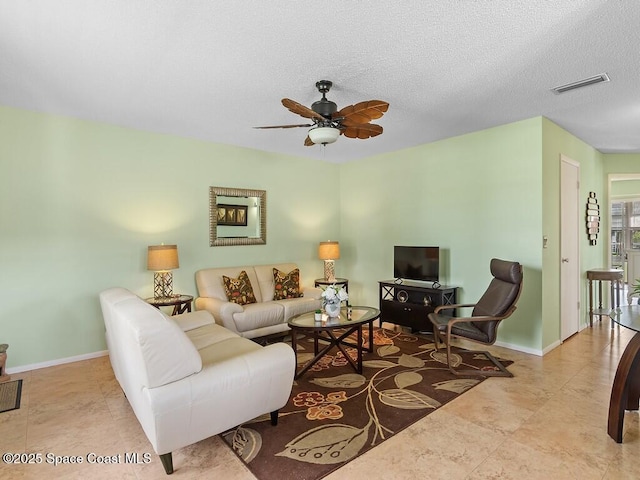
497, 303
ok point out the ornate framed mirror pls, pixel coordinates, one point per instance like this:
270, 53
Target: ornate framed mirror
225, 205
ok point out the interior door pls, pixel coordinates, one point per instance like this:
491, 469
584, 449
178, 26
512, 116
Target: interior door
569, 247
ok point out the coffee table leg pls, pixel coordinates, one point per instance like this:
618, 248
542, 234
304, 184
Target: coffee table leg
332, 342
360, 348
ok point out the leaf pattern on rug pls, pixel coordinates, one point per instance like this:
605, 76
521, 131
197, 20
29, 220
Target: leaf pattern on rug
457, 386
403, 380
377, 364
409, 361
442, 358
327, 444
407, 399
348, 380
387, 350
245, 441
406, 379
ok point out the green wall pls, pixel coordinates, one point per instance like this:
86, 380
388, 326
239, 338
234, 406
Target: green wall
476, 196
625, 189
80, 202
621, 163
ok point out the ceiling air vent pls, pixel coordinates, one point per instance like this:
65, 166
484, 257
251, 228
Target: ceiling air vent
603, 77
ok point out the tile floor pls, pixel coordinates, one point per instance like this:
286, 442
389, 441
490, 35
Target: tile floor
548, 422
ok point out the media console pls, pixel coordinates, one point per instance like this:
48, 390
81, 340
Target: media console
408, 303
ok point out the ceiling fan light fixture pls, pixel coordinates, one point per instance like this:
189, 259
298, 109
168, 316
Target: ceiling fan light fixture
324, 135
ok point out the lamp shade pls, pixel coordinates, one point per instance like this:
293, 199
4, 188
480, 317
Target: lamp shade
162, 257
324, 135
329, 250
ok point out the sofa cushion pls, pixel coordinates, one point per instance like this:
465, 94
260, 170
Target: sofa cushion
264, 274
239, 290
259, 315
166, 353
297, 306
287, 285
210, 284
208, 335
190, 320
226, 349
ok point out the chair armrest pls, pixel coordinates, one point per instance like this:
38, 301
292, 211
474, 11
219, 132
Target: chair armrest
479, 318
452, 306
221, 310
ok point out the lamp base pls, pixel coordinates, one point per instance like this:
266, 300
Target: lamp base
329, 271
162, 285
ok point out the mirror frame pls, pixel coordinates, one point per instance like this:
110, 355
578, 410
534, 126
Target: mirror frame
214, 240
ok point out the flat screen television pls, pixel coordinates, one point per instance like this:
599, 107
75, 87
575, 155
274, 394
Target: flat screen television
416, 263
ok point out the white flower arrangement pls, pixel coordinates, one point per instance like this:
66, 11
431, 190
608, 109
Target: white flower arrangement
334, 295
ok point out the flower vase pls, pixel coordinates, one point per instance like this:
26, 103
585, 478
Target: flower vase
332, 309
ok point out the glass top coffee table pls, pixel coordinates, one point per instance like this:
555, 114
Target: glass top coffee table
625, 392
335, 331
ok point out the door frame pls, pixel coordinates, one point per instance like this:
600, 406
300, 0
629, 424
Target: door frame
576, 253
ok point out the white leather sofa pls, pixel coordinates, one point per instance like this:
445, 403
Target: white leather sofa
188, 378
265, 317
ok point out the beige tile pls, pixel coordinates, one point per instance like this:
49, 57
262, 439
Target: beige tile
549, 421
515, 461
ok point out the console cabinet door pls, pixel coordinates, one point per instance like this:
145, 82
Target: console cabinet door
409, 306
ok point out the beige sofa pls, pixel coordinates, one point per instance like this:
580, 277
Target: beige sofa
188, 378
265, 317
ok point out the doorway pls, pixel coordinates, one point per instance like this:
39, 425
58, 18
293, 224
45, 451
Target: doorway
624, 224
569, 247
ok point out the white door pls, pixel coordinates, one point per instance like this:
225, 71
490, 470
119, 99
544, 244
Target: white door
569, 247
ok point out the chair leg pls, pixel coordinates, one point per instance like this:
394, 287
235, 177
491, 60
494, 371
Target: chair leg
448, 345
436, 338
167, 462
501, 372
274, 418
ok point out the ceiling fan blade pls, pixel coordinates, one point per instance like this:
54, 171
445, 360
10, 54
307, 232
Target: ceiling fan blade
362, 131
287, 126
308, 142
362, 112
300, 109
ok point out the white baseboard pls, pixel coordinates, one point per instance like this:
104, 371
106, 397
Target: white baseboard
519, 348
555, 344
60, 361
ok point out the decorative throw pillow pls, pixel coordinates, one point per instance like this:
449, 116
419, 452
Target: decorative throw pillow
239, 290
287, 284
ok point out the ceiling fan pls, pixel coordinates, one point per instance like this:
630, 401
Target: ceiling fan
329, 122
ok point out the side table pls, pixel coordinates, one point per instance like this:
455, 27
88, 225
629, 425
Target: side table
604, 275
338, 281
180, 303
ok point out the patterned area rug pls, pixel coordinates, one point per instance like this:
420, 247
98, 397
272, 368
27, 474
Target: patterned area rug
335, 414
10, 393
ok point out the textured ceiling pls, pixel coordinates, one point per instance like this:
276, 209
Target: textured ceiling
214, 69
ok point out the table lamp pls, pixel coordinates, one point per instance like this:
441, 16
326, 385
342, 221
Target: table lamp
329, 251
162, 259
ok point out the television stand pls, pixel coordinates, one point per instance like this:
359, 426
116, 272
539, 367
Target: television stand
408, 303
422, 283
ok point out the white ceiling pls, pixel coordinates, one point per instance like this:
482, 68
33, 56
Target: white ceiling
212, 70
